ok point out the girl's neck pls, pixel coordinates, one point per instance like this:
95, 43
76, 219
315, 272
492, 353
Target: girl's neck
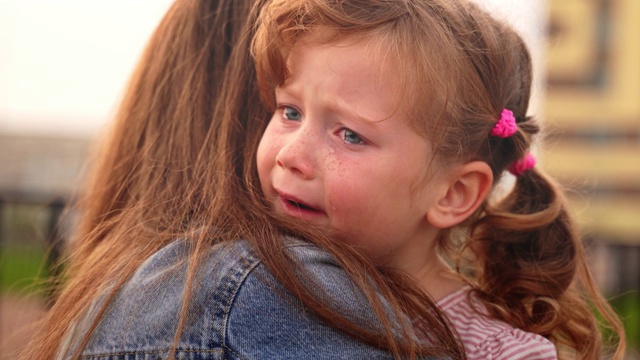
438, 279
424, 264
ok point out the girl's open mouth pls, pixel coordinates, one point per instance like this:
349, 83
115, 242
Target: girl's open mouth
301, 206
299, 209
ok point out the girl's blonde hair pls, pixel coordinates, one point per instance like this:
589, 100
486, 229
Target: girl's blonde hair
461, 67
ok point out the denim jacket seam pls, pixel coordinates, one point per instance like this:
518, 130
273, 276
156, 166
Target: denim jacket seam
231, 350
159, 351
299, 244
252, 263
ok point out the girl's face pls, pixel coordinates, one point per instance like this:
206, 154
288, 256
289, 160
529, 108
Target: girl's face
340, 153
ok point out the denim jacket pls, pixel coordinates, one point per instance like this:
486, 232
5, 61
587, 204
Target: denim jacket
236, 311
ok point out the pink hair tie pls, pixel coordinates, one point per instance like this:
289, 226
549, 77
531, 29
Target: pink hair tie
506, 126
523, 165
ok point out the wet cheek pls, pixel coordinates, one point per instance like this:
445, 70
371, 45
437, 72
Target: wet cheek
348, 202
336, 182
348, 179
357, 192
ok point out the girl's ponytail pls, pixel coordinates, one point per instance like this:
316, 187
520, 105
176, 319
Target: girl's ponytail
529, 249
534, 273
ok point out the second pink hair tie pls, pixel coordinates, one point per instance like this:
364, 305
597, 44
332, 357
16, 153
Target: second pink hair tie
506, 126
521, 166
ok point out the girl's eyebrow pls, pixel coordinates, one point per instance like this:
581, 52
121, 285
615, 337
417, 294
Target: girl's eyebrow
286, 91
341, 107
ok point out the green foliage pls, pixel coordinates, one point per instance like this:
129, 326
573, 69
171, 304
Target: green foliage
24, 229
627, 306
21, 268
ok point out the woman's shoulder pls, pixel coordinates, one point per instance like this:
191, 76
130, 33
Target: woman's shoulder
236, 309
266, 321
485, 337
142, 316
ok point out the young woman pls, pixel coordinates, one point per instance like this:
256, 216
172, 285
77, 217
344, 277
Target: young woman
177, 254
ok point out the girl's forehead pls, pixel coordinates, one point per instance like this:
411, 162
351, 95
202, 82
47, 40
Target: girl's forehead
325, 36
377, 53
347, 65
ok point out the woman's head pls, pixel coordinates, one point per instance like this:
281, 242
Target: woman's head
190, 113
172, 158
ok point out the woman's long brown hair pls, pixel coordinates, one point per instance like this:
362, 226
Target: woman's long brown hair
461, 68
179, 162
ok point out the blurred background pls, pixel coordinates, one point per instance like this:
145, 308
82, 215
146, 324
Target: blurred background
64, 64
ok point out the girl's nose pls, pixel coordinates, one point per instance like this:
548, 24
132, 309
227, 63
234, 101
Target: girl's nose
297, 155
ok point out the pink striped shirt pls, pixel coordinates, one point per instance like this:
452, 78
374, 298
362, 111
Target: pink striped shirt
486, 338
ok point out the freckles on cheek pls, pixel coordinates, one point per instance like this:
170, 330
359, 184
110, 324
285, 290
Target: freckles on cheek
338, 199
348, 185
349, 203
339, 185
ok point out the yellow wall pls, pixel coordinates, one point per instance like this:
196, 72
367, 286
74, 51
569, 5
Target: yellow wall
593, 111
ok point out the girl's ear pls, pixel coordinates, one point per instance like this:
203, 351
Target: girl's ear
467, 188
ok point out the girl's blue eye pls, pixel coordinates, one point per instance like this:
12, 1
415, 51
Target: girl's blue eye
351, 137
290, 113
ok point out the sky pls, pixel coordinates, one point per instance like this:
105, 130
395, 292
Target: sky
64, 63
